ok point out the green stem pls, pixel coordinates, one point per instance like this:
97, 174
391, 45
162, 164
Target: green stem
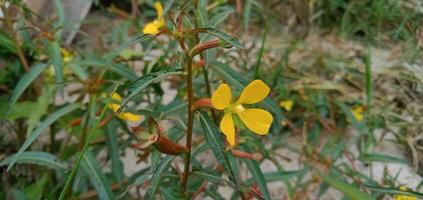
190, 122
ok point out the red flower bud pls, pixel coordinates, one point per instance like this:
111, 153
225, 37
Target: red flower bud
208, 45
253, 156
202, 103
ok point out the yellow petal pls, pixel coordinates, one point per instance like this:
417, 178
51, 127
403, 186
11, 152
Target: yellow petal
159, 9
287, 105
257, 120
254, 92
113, 106
404, 197
222, 97
358, 113
228, 128
151, 28
129, 116
116, 97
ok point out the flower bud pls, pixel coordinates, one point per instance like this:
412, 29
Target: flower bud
202, 103
208, 45
161, 142
253, 156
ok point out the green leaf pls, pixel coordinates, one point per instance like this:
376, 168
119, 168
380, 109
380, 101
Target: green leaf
140, 84
60, 12
349, 190
41, 128
80, 72
23, 83
37, 158
39, 110
236, 80
35, 190
114, 151
157, 176
112, 55
211, 176
56, 58
256, 173
223, 36
394, 191
220, 17
18, 195
368, 82
280, 176
215, 140
21, 109
97, 178
375, 157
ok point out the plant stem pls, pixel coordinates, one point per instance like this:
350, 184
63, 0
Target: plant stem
12, 33
190, 121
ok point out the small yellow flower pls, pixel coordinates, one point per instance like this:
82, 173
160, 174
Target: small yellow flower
153, 27
357, 113
128, 116
404, 197
257, 120
66, 55
287, 105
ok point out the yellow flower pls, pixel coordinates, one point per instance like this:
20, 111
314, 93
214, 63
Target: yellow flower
66, 55
153, 27
287, 104
128, 116
404, 197
357, 113
257, 120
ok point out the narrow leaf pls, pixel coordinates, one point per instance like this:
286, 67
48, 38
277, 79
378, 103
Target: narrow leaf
56, 58
349, 190
140, 84
97, 178
37, 158
257, 175
223, 36
41, 128
23, 83
375, 157
157, 176
394, 191
215, 140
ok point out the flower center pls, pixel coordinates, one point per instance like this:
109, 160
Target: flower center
238, 108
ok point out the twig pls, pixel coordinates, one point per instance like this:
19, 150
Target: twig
9, 28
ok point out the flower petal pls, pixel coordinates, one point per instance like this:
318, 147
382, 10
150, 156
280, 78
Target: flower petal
257, 120
116, 97
254, 92
151, 28
287, 104
228, 128
159, 9
222, 97
113, 106
129, 116
357, 113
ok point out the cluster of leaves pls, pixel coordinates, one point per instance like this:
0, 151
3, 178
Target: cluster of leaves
59, 112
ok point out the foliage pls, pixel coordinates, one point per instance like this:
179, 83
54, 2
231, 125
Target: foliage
175, 102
